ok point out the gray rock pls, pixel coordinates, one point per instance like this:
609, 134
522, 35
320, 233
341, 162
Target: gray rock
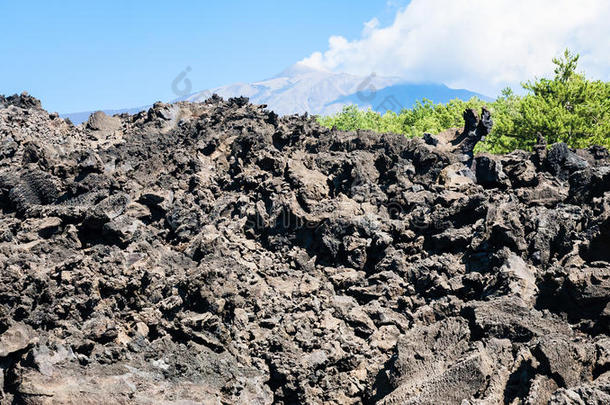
16, 339
218, 253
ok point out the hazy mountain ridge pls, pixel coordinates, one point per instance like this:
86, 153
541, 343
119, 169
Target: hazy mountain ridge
300, 89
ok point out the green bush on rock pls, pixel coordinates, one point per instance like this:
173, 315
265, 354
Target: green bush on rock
567, 108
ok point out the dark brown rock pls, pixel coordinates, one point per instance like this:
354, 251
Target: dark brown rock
218, 253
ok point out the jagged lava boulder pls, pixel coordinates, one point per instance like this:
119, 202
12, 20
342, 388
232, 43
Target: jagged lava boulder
217, 253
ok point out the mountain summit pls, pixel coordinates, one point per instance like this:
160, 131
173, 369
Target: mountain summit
302, 89
298, 69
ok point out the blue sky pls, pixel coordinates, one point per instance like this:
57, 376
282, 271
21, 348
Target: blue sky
77, 56
80, 56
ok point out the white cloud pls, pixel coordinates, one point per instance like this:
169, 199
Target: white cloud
481, 45
370, 27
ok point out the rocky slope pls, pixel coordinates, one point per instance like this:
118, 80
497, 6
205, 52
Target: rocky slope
214, 253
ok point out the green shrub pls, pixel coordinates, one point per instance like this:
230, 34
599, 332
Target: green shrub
568, 108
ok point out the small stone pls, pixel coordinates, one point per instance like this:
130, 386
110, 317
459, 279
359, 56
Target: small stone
142, 329
385, 337
17, 338
456, 176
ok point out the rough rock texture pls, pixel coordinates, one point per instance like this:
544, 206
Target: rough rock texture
215, 253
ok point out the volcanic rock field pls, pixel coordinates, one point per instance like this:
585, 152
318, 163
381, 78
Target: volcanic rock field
215, 253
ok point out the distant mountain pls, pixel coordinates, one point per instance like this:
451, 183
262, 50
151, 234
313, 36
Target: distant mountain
301, 89
405, 95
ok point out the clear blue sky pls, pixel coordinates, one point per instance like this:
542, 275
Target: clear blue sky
78, 56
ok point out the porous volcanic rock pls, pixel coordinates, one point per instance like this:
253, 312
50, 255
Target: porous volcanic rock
216, 253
